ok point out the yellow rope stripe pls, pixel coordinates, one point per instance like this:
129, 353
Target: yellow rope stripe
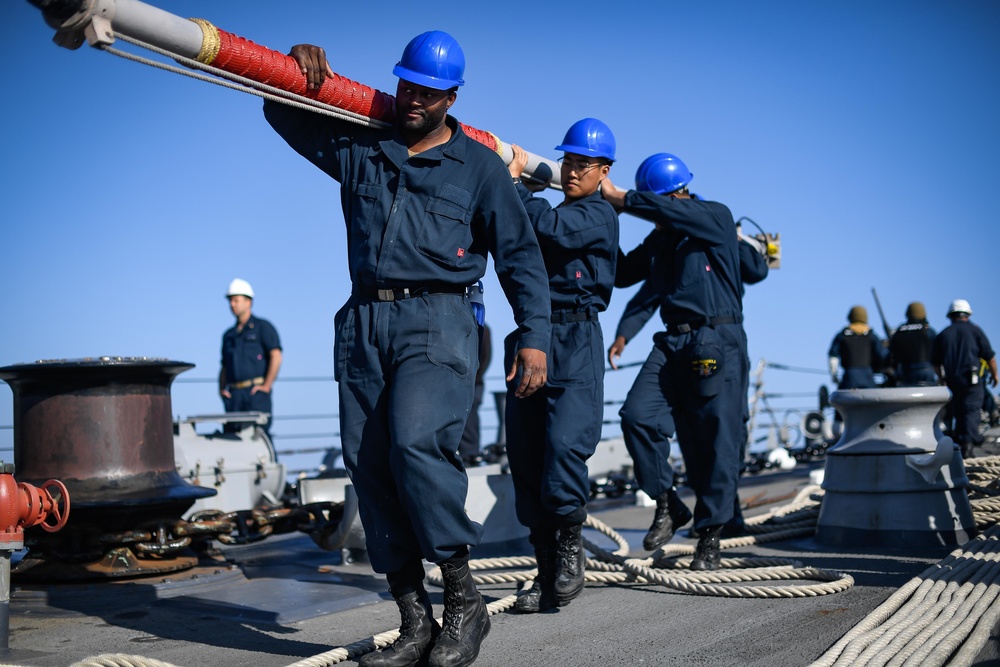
210, 42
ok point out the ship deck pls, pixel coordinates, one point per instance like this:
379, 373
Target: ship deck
280, 601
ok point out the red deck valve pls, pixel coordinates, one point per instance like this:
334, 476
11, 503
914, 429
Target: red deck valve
23, 505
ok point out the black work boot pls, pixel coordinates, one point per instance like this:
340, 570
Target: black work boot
466, 619
570, 563
542, 594
417, 633
679, 512
671, 514
706, 554
662, 528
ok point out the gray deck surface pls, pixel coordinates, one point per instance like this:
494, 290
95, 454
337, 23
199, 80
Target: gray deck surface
284, 599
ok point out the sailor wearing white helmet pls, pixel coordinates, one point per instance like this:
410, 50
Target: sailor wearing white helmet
959, 353
251, 357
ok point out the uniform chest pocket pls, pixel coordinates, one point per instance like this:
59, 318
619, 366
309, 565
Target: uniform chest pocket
364, 203
692, 268
445, 234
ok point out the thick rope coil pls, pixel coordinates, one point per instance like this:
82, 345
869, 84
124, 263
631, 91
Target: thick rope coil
789, 521
708, 582
950, 606
663, 562
666, 567
121, 660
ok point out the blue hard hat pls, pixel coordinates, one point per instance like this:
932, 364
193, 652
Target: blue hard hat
432, 59
662, 173
589, 137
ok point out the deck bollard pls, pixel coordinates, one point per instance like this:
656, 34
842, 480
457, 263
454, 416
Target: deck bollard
893, 479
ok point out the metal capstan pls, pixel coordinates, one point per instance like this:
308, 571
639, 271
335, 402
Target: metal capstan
104, 427
893, 479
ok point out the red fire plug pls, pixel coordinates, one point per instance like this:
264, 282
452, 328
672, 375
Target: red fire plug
23, 506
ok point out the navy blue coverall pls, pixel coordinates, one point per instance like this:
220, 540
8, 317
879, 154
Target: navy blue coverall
418, 231
246, 353
646, 426
910, 351
958, 349
693, 261
552, 433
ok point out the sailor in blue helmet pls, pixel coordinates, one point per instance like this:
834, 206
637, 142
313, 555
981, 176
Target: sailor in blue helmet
646, 426
423, 204
551, 435
697, 370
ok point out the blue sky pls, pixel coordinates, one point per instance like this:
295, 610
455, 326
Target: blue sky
865, 133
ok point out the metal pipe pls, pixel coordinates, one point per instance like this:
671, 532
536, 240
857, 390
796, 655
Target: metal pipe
98, 20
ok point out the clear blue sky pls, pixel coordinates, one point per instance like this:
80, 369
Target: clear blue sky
865, 133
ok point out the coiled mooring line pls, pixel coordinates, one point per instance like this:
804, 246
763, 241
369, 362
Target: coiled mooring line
944, 615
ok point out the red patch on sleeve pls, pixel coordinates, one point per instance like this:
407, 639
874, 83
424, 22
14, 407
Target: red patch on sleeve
708, 267
461, 252
578, 275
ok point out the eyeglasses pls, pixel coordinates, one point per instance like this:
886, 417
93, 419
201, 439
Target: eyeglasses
580, 168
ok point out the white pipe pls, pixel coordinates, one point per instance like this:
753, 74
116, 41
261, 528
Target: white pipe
183, 37
157, 27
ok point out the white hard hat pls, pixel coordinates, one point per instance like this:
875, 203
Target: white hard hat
960, 306
239, 287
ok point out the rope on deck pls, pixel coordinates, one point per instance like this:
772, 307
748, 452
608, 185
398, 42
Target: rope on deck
943, 616
738, 577
946, 614
796, 519
121, 660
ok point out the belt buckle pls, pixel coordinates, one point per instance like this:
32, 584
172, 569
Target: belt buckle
386, 295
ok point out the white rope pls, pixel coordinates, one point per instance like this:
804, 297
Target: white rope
950, 606
381, 640
248, 86
121, 660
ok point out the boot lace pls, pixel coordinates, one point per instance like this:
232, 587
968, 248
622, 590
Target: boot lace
454, 605
569, 550
406, 626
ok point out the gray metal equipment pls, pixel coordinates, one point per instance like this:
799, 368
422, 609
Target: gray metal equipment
241, 467
893, 479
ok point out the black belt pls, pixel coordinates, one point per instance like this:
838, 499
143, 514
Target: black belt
674, 328
563, 316
399, 293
